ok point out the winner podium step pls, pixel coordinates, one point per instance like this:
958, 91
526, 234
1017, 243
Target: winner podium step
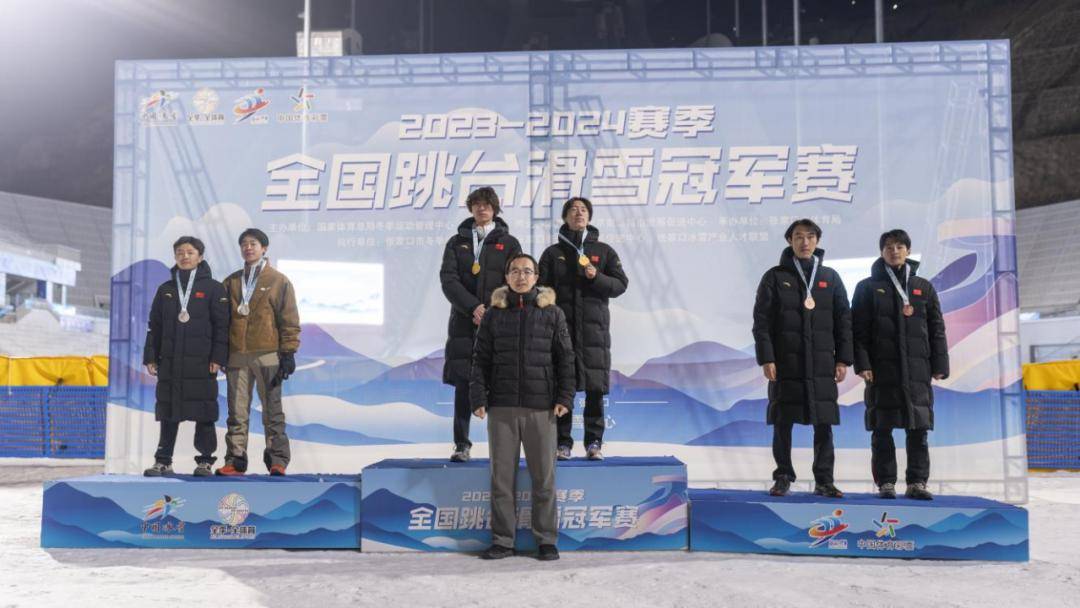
253, 511
627, 504
859, 525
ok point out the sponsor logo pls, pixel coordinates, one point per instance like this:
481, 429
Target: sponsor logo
156, 521
206, 102
824, 530
158, 109
247, 107
302, 108
233, 509
885, 537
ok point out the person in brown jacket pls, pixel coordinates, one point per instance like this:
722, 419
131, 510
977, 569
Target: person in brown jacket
264, 335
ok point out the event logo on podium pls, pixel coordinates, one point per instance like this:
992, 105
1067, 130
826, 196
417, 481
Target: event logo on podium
206, 102
159, 521
248, 106
825, 529
233, 509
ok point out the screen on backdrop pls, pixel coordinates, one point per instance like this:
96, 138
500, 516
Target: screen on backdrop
695, 162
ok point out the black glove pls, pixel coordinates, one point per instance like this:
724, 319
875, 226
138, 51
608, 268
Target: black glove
286, 367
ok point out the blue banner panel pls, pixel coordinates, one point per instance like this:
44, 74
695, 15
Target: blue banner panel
297, 512
861, 525
619, 504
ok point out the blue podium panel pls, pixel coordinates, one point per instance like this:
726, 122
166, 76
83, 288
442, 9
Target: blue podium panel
860, 525
615, 504
296, 511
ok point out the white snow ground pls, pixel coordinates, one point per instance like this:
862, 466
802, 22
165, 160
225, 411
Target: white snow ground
31, 576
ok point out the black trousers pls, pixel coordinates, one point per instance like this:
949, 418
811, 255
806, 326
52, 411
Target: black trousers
883, 457
462, 414
205, 442
824, 456
594, 421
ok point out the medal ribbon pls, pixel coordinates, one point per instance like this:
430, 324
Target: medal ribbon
248, 283
896, 283
580, 250
813, 273
185, 295
477, 245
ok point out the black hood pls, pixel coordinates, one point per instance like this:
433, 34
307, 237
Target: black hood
202, 271
592, 234
877, 270
465, 228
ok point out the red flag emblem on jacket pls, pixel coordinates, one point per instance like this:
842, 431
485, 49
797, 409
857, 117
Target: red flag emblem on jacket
595, 258
199, 294
500, 246
917, 292
822, 284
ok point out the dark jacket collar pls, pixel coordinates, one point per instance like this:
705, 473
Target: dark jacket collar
202, 271
788, 254
497, 226
877, 270
592, 234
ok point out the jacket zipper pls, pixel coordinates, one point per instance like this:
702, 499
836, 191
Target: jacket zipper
521, 349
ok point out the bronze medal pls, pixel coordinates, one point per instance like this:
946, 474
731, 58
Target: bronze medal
809, 303
908, 310
476, 267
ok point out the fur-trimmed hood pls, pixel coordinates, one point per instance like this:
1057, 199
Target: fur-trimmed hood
544, 296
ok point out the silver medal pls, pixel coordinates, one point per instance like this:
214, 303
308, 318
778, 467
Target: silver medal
184, 316
243, 309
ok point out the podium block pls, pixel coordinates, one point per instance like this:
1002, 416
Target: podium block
859, 525
629, 504
296, 511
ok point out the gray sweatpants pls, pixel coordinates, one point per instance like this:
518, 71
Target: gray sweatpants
247, 371
508, 429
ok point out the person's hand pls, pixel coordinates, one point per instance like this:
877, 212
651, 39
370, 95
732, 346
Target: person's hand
939, 376
769, 369
286, 368
590, 271
478, 314
480, 412
151, 368
867, 375
561, 410
841, 372
215, 368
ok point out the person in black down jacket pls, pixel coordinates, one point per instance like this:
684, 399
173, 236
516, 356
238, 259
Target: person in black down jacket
522, 380
472, 267
802, 338
900, 346
187, 343
585, 273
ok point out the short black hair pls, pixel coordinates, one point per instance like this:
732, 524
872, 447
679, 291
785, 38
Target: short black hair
804, 222
256, 234
189, 240
896, 234
518, 256
486, 194
566, 206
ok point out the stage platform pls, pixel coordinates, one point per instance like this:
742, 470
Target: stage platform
859, 525
618, 504
181, 511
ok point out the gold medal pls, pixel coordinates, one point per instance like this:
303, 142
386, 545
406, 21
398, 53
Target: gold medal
583, 260
476, 267
809, 303
908, 310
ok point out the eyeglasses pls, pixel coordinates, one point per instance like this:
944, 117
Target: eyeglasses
522, 272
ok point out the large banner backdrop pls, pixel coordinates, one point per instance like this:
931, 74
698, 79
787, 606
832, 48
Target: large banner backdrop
695, 161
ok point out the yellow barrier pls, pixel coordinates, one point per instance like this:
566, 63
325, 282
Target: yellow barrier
50, 371
1052, 376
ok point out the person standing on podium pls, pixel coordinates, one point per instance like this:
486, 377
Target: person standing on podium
473, 264
803, 343
522, 381
263, 339
900, 348
585, 273
187, 343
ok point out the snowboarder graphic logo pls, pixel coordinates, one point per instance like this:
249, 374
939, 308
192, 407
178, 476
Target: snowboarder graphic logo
824, 529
